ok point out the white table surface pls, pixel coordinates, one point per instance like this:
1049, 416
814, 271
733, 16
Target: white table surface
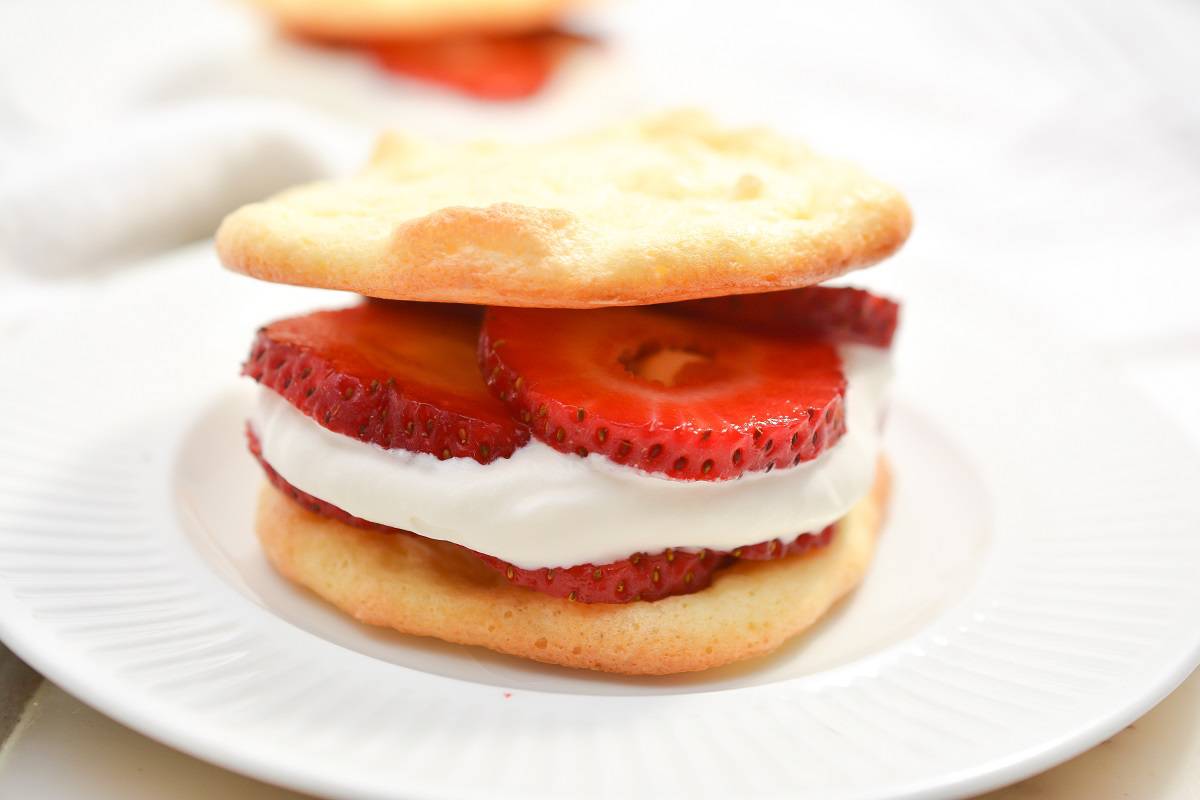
1052, 152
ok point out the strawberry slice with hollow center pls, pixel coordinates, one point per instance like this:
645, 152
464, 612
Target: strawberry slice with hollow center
399, 375
689, 398
829, 313
641, 576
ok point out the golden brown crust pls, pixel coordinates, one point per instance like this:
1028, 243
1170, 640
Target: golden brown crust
668, 208
429, 588
381, 20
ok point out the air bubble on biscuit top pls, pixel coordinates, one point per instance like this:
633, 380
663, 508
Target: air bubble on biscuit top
748, 187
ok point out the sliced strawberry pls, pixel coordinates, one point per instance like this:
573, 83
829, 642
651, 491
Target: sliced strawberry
399, 375
778, 548
639, 577
689, 398
491, 67
649, 577
833, 314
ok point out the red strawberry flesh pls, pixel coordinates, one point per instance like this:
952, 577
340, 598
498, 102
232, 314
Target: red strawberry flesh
835, 314
399, 375
489, 67
690, 398
645, 576
641, 576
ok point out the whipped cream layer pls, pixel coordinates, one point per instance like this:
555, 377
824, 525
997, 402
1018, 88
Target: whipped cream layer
543, 508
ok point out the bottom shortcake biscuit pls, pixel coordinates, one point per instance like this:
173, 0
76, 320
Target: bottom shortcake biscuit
429, 588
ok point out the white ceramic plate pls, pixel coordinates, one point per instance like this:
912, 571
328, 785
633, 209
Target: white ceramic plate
1035, 588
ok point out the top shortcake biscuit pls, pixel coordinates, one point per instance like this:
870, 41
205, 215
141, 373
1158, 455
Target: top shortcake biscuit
384, 20
669, 208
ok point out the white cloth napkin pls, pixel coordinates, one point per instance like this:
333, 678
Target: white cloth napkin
158, 179
131, 126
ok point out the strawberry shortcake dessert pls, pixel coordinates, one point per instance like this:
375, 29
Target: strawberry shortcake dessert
486, 49
594, 408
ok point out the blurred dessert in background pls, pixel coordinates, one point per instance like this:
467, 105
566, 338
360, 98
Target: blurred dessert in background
491, 49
